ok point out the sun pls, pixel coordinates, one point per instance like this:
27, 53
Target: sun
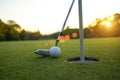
107, 24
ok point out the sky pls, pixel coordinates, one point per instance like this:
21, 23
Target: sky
48, 15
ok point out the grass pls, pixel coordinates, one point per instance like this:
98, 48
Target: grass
18, 61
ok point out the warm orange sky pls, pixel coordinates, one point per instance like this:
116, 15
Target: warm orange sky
48, 15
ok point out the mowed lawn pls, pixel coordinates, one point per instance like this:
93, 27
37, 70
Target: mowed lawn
18, 61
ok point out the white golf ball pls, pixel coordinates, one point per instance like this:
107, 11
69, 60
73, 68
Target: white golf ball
55, 51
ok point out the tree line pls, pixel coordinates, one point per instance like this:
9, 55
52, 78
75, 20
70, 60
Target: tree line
12, 31
101, 27
105, 27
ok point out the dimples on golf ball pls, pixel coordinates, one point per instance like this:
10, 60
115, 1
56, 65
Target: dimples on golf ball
55, 51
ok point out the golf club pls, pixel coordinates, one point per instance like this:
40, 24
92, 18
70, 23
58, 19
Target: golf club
58, 38
46, 52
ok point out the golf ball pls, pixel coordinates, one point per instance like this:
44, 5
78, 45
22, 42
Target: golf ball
55, 51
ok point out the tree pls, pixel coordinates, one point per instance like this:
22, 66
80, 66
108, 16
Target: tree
9, 31
105, 27
35, 35
2, 30
23, 35
116, 24
12, 31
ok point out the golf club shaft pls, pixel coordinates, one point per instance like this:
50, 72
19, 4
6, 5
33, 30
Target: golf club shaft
58, 38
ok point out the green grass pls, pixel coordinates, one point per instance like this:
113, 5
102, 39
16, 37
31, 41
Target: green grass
18, 61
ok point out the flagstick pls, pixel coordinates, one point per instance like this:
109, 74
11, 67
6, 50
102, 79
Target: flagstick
81, 33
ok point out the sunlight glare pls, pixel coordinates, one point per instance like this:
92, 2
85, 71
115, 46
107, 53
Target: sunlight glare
107, 24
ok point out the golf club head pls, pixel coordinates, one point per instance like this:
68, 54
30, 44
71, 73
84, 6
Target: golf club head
43, 52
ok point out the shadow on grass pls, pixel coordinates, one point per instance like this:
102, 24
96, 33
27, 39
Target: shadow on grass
86, 58
45, 58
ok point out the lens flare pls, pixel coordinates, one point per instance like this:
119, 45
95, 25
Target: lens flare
67, 37
64, 38
74, 35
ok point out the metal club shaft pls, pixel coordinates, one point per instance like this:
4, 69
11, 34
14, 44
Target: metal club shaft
58, 38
